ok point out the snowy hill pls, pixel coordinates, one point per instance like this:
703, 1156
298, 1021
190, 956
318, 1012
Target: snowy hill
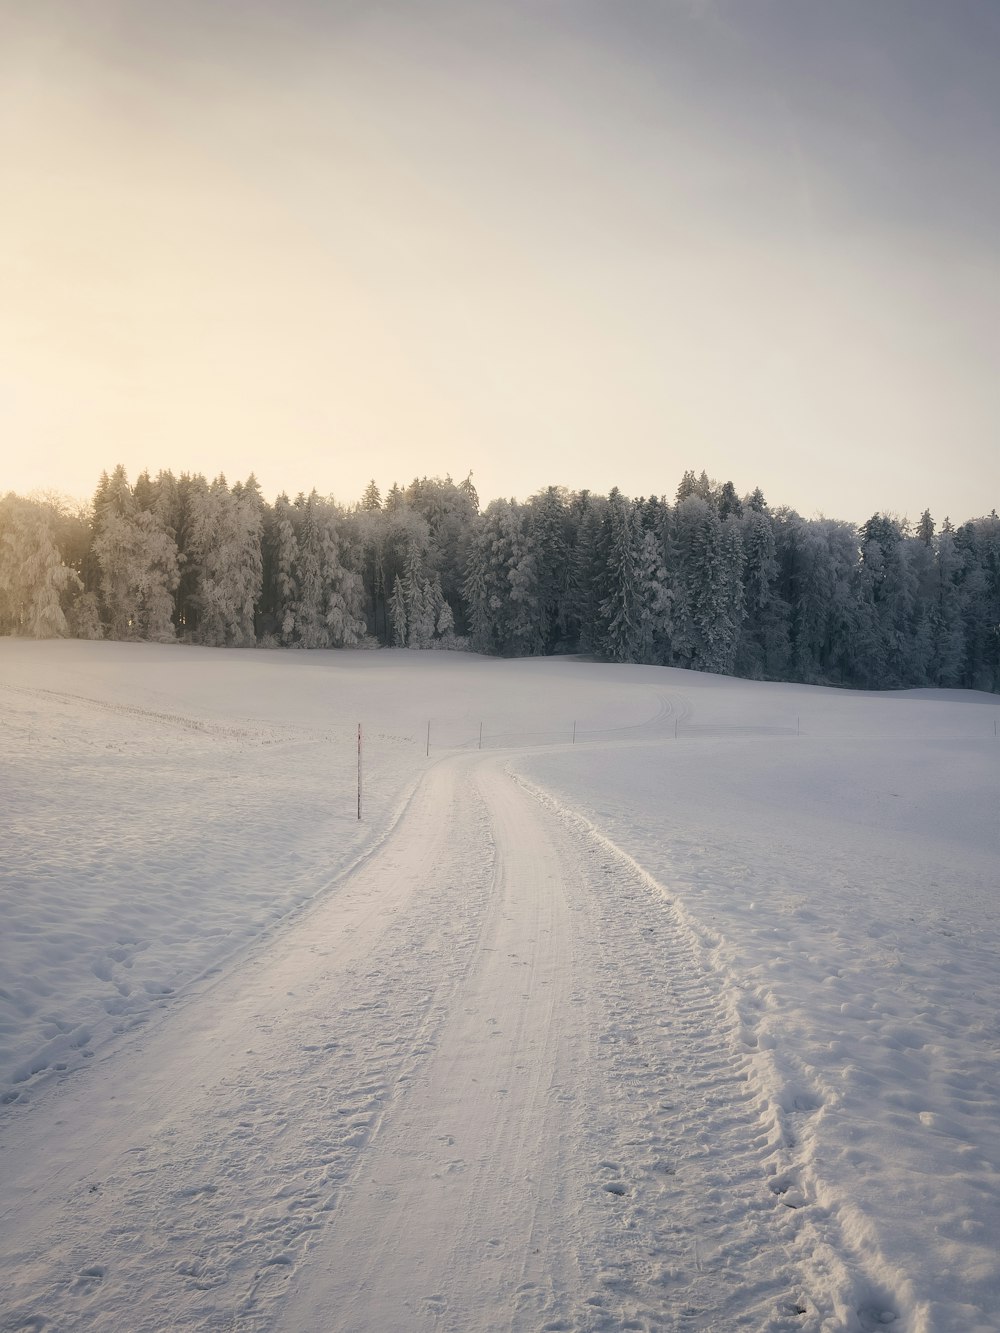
782, 898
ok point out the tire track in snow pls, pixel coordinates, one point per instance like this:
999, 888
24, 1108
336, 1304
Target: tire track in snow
743, 1132
181, 1190
458, 1216
583, 1151
687, 1234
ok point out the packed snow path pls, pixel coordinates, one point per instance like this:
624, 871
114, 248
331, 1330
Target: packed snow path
485, 1083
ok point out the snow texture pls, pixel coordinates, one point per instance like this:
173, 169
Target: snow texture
645, 1000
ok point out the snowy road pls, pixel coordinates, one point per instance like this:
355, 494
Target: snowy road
485, 1083
690, 1026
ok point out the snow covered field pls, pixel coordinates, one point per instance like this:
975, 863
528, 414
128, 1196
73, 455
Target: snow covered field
694, 1023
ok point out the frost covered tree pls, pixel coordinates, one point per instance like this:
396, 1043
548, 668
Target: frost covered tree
450, 511
731, 604
700, 486
588, 584
729, 503
884, 650
404, 548
501, 584
477, 591
137, 561
763, 642
817, 562
943, 599
978, 544
370, 535
550, 527
327, 593
173, 501
525, 634
225, 549
445, 625
397, 614
307, 576
658, 598
707, 584
280, 553
35, 583
699, 584
419, 604
343, 593
420, 612
621, 607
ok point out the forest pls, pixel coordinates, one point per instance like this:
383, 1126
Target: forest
709, 580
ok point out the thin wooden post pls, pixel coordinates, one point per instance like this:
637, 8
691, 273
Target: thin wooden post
428, 738
574, 731
359, 770
675, 728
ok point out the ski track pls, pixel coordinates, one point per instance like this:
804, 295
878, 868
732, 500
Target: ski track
490, 1082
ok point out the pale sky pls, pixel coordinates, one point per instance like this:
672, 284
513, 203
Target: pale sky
576, 242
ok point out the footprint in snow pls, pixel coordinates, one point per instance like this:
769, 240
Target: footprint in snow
89, 1279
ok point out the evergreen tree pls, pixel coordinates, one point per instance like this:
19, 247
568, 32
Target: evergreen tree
477, 591
925, 528
372, 498
885, 633
450, 512
137, 561
525, 633
226, 552
35, 584
343, 592
421, 607
549, 537
445, 626
621, 608
762, 648
588, 588
700, 586
731, 603
729, 503
817, 564
978, 544
397, 613
308, 576
943, 599
501, 584
655, 598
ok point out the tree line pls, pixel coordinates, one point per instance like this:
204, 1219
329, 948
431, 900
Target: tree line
710, 580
